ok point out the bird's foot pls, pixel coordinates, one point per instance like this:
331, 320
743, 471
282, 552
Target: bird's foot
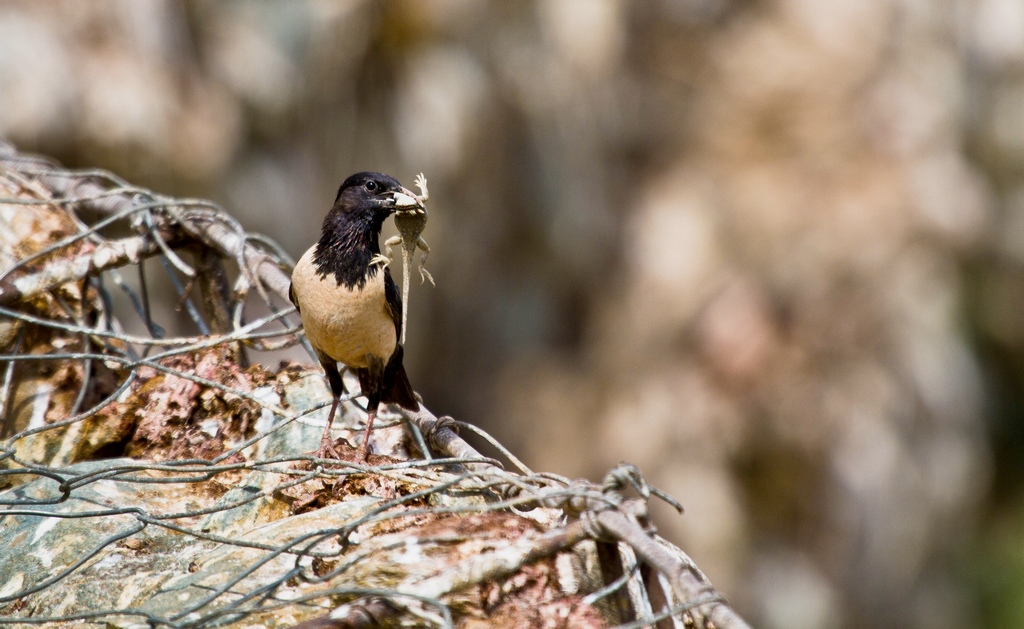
362, 454
327, 449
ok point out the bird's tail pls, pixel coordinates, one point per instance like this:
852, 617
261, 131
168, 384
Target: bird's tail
397, 389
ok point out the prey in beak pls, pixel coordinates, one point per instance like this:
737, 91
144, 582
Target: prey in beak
410, 219
406, 200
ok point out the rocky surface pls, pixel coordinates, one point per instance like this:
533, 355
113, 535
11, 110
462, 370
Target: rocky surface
200, 528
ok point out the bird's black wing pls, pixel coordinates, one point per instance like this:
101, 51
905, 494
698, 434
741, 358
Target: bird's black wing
396, 387
394, 299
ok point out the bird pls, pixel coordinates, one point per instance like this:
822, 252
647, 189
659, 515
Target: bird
351, 309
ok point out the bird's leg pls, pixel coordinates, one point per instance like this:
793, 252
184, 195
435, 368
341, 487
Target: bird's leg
337, 390
371, 379
327, 449
364, 450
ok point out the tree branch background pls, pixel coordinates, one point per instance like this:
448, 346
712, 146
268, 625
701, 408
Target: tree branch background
769, 251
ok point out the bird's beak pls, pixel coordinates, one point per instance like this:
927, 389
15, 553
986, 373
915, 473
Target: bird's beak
406, 200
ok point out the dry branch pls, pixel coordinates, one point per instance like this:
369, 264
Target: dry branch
73, 187
110, 254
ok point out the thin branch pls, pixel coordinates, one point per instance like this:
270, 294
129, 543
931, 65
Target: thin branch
109, 254
84, 189
687, 582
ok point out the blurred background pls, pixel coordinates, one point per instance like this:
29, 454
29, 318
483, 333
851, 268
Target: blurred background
772, 251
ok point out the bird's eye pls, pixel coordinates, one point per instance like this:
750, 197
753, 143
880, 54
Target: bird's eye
371, 186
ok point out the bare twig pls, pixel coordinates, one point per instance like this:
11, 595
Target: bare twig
686, 580
74, 187
56, 271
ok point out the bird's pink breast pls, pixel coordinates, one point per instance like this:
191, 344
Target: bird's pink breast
345, 323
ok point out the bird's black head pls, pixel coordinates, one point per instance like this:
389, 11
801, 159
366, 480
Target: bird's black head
368, 192
348, 240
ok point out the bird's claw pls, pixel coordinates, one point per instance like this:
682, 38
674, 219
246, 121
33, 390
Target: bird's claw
327, 450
